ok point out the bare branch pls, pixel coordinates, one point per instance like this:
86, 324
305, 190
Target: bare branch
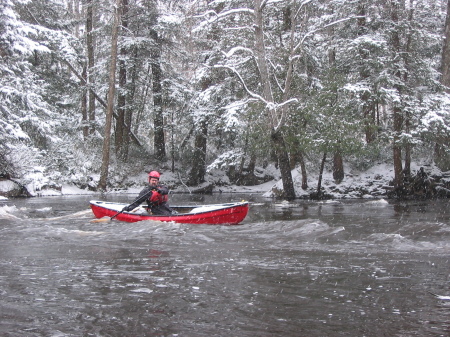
205, 14
283, 112
300, 8
237, 49
217, 17
276, 79
249, 92
264, 4
321, 28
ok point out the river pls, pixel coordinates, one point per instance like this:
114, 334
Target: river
336, 268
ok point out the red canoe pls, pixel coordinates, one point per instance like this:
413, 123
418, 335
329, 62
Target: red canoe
218, 214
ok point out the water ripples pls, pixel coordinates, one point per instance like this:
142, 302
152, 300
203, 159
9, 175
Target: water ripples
324, 269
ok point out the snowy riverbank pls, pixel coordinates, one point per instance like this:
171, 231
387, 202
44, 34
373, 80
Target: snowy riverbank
372, 183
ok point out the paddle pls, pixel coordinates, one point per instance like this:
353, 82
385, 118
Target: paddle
139, 199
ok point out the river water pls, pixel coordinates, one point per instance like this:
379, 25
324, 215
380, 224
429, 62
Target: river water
341, 268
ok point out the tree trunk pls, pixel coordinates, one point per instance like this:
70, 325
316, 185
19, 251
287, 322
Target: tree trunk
338, 164
122, 94
298, 158
84, 112
398, 170
91, 64
110, 104
283, 162
397, 110
368, 107
121, 102
407, 114
319, 181
303, 170
295, 156
130, 108
251, 165
445, 65
338, 167
78, 18
441, 157
198, 171
408, 147
159, 141
261, 59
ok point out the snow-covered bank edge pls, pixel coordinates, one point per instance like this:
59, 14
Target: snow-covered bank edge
368, 184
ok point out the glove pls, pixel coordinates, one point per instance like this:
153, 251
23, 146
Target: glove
162, 191
127, 208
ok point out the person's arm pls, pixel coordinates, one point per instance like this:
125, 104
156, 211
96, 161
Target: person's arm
143, 195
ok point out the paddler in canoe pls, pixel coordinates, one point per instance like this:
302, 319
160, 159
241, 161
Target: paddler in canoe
156, 196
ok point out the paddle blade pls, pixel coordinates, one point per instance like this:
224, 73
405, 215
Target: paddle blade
104, 219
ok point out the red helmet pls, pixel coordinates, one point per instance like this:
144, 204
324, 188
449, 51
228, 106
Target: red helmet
154, 174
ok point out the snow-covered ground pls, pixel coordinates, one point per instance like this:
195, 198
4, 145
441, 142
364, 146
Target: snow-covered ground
371, 183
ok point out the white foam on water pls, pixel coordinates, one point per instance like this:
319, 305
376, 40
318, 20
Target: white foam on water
285, 204
142, 290
81, 214
44, 209
329, 202
441, 297
77, 232
378, 202
401, 243
6, 212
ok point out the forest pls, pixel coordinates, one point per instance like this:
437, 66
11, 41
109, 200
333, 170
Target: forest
94, 93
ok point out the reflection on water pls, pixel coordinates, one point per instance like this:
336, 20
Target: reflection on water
342, 268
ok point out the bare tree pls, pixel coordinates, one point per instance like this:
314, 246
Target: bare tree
445, 79
90, 65
441, 157
110, 103
276, 113
158, 120
397, 109
121, 128
368, 106
198, 170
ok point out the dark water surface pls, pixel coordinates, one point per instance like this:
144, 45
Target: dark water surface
343, 268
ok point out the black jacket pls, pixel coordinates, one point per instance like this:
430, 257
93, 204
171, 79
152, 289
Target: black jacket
156, 197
